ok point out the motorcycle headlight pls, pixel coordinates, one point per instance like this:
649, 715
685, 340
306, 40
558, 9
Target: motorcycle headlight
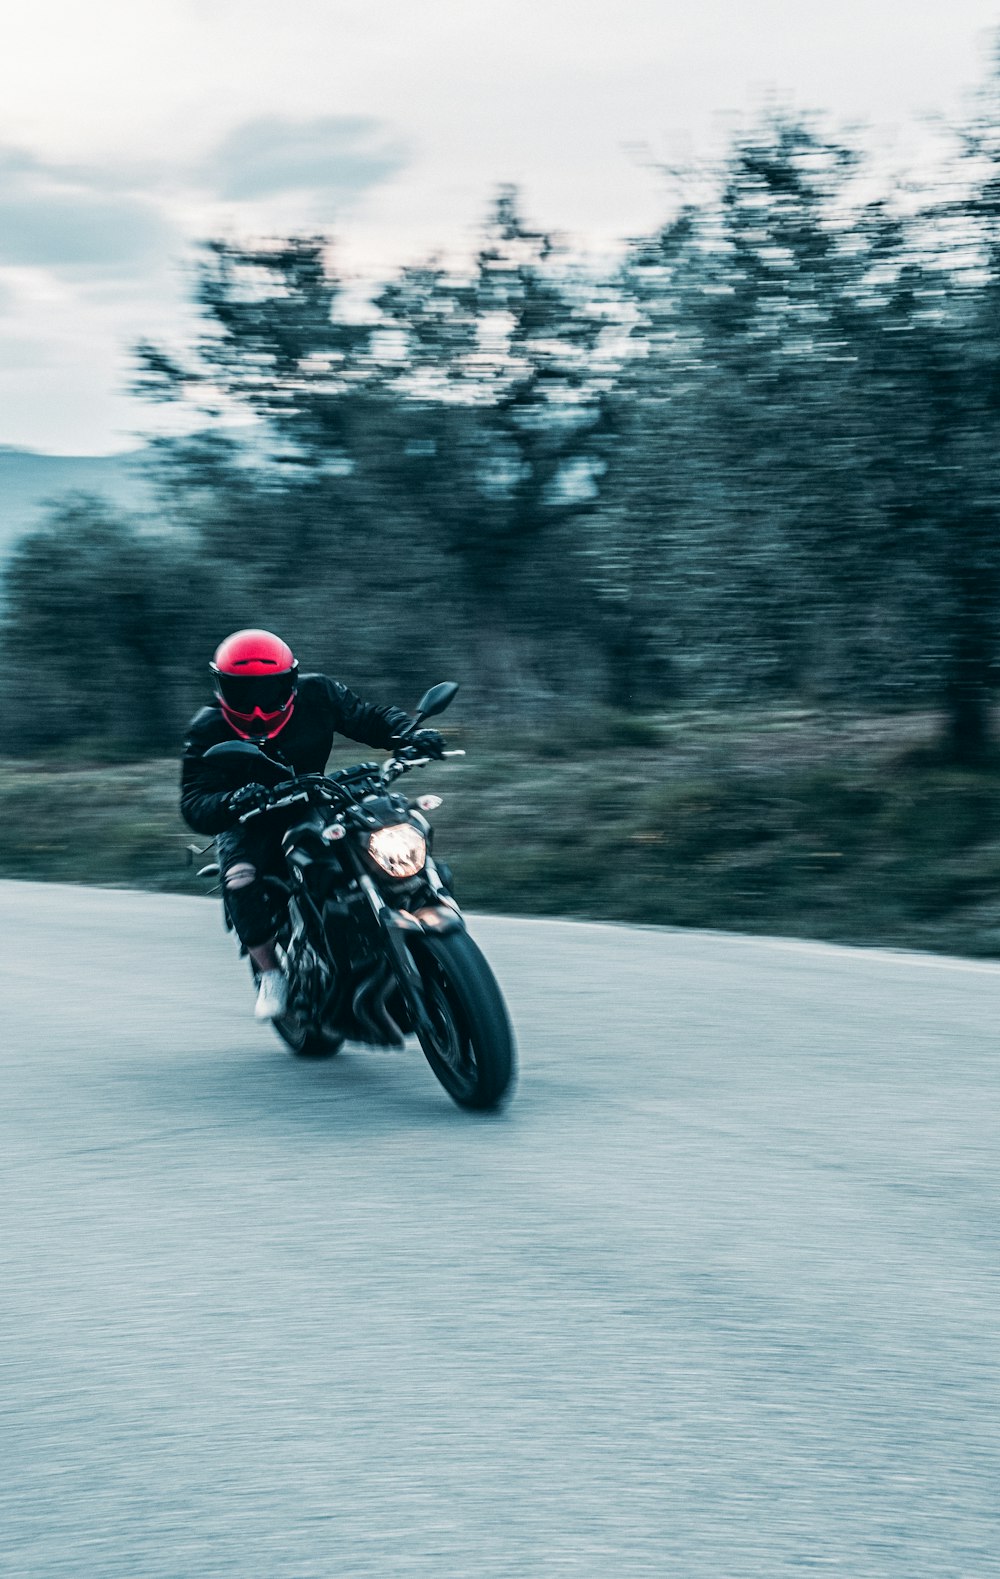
400, 851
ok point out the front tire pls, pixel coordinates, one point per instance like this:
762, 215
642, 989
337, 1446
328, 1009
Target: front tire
472, 1050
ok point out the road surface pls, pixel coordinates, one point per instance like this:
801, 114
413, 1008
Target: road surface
716, 1297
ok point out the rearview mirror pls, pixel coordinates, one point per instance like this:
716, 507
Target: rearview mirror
437, 699
234, 748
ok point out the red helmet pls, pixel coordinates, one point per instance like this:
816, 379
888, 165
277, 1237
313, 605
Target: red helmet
255, 680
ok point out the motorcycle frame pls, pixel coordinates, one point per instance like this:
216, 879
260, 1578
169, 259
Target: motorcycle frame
391, 923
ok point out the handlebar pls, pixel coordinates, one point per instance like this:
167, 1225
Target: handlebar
275, 805
394, 766
389, 770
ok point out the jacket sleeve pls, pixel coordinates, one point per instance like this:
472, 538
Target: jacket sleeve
204, 806
364, 721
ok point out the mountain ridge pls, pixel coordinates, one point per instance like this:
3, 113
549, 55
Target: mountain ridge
32, 483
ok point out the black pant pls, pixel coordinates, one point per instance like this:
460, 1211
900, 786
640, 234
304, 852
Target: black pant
256, 909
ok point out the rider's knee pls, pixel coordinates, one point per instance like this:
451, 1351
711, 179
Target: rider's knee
240, 875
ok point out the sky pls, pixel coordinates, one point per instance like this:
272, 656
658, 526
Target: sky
131, 129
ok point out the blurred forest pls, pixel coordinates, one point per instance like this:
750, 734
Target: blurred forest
752, 467
757, 462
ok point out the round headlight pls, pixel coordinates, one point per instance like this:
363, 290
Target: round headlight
400, 850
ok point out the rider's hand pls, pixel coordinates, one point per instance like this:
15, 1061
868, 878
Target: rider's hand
250, 798
427, 742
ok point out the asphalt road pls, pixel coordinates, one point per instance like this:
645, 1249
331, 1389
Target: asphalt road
716, 1297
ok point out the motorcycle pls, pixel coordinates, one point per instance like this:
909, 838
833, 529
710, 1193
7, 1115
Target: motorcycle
373, 942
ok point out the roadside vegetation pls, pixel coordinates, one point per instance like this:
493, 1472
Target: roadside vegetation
785, 822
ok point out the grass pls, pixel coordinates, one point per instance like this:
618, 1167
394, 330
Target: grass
785, 822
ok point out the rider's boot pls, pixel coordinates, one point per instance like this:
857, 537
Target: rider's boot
272, 995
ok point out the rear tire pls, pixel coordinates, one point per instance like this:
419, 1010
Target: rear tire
307, 1044
472, 1053
299, 1040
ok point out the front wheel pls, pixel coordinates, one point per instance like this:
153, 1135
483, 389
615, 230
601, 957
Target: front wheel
470, 1044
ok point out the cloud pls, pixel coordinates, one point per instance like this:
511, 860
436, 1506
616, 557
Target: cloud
336, 158
90, 254
114, 218
75, 217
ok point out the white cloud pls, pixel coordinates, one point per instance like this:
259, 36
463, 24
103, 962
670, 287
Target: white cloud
66, 218
94, 256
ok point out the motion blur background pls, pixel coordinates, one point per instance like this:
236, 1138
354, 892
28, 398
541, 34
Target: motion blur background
644, 379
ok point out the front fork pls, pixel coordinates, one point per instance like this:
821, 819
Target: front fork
392, 926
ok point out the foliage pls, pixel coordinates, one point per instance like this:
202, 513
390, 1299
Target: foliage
102, 634
753, 466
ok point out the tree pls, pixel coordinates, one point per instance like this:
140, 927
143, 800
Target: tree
103, 634
739, 479
461, 427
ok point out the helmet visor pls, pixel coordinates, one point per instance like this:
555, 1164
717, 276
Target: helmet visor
264, 694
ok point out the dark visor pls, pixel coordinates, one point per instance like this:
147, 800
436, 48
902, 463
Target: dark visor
245, 692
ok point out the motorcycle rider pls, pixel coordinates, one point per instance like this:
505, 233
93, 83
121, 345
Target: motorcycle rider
260, 696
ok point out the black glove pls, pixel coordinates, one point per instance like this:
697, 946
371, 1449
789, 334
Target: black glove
427, 742
250, 798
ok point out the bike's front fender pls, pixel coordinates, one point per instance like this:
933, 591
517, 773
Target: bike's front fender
433, 919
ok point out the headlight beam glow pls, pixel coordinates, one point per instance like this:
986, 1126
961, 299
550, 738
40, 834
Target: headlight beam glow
400, 851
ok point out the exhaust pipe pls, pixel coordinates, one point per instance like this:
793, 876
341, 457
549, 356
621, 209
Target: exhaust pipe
370, 1011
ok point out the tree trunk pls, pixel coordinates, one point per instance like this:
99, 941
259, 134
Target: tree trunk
968, 736
637, 675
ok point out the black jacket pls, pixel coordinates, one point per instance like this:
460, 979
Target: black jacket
323, 708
